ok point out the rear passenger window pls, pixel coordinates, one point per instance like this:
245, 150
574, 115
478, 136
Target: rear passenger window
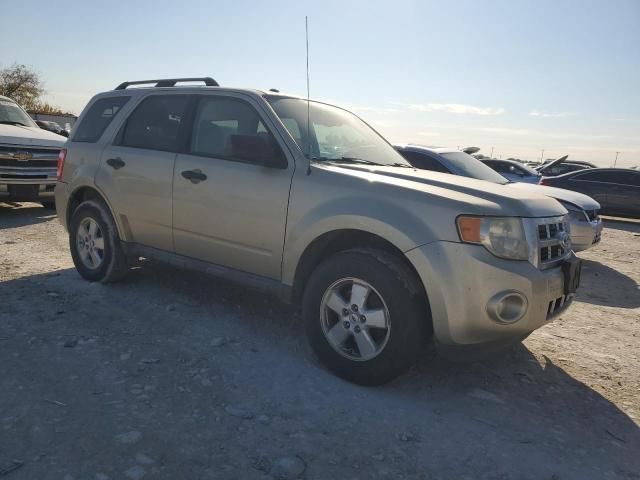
230, 129
155, 123
98, 118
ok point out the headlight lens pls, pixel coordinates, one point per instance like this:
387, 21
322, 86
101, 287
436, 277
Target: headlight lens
575, 214
502, 236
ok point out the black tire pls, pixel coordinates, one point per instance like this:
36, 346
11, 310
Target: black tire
114, 264
408, 310
49, 204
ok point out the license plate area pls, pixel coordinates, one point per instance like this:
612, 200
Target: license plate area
571, 270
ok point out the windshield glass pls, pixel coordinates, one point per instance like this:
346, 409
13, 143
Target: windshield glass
12, 114
473, 168
336, 135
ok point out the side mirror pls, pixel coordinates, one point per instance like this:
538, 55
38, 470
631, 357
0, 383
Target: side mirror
262, 150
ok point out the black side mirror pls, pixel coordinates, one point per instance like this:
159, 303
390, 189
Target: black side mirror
263, 150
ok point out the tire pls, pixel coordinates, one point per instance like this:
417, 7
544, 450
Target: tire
112, 264
49, 205
393, 289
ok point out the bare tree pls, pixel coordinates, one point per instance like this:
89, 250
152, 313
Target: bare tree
22, 85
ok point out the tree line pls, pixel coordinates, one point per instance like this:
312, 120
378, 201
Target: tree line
25, 87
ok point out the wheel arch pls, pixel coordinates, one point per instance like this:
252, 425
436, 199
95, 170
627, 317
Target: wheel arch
82, 194
332, 242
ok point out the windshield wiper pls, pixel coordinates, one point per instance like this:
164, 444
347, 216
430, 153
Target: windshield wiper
9, 122
348, 160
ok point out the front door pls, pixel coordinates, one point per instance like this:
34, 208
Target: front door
136, 172
227, 208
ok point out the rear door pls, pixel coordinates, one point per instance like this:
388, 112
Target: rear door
228, 209
136, 171
593, 184
623, 197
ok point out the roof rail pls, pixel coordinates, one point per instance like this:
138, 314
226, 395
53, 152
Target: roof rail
169, 82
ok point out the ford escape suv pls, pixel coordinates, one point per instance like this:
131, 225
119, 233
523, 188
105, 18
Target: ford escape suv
305, 199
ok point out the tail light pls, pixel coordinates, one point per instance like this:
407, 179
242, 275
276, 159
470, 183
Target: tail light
61, 158
544, 181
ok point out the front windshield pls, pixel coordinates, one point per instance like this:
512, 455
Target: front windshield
469, 166
12, 114
336, 135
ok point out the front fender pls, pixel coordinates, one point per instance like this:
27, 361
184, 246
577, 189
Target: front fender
377, 216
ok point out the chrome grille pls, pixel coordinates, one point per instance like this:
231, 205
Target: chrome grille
551, 240
14, 156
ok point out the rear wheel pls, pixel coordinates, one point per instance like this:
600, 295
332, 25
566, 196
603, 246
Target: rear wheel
365, 316
95, 245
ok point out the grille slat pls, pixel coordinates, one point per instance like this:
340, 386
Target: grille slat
28, 163
553, 242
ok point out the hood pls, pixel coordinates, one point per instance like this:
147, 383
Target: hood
473, 197
29, 136
580, 200
557, 161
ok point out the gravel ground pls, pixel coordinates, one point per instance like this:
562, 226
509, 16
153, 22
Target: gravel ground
175, 375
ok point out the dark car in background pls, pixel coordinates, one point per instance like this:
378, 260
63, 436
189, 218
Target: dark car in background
616, 189
586, 225
512, 170
561, 168
52, 127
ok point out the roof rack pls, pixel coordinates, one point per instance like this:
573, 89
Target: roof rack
170, 82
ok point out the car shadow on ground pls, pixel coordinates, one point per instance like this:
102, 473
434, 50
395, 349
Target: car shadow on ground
596, 281
14, 215
522, 406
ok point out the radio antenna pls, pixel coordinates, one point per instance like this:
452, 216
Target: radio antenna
306, 31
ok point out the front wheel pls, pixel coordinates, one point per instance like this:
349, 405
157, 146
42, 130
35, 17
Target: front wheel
365, 316
95, 245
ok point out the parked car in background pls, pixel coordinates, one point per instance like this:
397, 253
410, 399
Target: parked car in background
616, 189
560, 168
52, 127
512, 170
305, 199
28, 157
576, 162
586, 225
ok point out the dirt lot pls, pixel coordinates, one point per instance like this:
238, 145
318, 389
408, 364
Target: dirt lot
174, 375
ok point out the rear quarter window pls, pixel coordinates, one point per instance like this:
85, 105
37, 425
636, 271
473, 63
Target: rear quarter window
98, 118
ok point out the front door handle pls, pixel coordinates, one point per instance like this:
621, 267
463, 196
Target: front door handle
194, 176
115, 163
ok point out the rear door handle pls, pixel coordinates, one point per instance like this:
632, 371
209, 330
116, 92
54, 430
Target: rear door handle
194, 176
116, 163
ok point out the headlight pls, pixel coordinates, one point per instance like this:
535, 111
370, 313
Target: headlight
575, 214
502, 236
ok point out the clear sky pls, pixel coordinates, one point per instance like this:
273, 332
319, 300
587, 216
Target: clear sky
519, 76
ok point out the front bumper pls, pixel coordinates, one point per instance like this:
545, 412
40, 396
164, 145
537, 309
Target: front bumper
62, 199
27, 184
585, 234
461, 279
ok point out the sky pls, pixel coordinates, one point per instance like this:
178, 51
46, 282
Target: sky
518, 77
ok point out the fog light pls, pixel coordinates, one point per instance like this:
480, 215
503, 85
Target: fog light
507, 307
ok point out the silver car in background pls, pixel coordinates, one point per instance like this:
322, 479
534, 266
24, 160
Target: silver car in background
586, 225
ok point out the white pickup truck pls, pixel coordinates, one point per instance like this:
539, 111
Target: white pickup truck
28, 157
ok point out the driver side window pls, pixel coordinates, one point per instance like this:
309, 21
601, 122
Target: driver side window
229, 128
